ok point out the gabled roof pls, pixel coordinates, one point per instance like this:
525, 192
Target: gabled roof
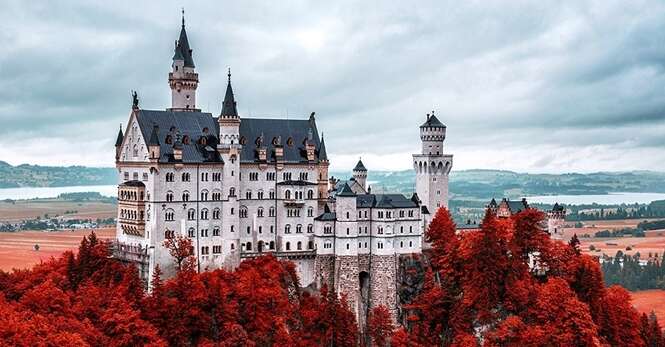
346, 191
432, 122
557, 207
326, 216
516, 206
118, 140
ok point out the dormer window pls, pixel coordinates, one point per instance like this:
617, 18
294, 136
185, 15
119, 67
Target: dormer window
185, 140
289, 142
274, 141
169, 140
243, 140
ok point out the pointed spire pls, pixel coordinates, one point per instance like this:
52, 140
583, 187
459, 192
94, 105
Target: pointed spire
154, 137
182, 50
346, 191
360, 166
229, 108
322, 150
118, 140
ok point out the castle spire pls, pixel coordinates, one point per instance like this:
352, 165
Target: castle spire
182, 50
118, 140
229, 108
322, 150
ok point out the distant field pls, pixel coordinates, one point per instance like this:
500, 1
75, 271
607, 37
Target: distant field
17, 249
30, 209
650, 300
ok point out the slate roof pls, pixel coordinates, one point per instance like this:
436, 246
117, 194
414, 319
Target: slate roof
118, 140
557, 207
229, 105
360, 166
182, 50
322, 151
284, 129
346, 191
384, 201
192, 125
154, 137
432, 122
517, 206
188, 124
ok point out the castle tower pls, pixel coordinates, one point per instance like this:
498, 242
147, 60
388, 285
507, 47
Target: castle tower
346, 247
360, 174
432, 166
229, 150
182, 78
556, 219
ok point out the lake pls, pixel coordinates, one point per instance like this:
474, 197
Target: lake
53, 192
603, 199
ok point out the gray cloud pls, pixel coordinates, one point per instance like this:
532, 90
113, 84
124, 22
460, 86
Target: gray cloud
554, 78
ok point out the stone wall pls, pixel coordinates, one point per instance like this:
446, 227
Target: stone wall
383, 277
347, 280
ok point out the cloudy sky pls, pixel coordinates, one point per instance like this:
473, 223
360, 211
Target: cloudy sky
536, 86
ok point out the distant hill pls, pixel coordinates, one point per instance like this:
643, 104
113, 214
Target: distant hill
54, 176
485, 184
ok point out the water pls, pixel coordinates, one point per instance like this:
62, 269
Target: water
53, 192
602, 199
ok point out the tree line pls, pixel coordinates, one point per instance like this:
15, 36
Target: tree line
634, 273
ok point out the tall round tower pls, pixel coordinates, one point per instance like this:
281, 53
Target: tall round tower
432, 166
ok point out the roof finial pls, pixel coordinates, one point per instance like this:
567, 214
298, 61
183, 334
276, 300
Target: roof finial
183, 17
229, 74
432, 112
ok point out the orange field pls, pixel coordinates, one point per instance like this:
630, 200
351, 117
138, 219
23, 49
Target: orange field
650, 300
30, 209
17, 249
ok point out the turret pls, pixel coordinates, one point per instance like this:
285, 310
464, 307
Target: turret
229, 121
118, 143
183, 80
360, 174
432, 135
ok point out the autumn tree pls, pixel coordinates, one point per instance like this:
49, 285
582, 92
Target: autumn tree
380, 326
182, 251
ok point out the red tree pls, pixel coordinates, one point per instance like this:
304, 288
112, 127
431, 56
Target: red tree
380, 325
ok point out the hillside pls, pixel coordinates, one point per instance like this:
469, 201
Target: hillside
25, 175
484, 184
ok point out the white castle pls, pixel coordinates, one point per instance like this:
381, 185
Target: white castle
243, 187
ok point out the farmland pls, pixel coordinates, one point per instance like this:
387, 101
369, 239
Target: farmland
17, 249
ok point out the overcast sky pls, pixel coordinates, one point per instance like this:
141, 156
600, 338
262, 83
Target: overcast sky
536, 86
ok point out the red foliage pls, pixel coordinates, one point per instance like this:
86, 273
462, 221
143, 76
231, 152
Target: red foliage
380, 326
182, 251
509, 284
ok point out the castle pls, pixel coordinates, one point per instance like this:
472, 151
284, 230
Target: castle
243, 187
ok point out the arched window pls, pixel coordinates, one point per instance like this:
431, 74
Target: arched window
287, 194
310, 245
299, 229
287, 229
204, 195
215, 213
204, 214
185, 196
310, 194
288, 246
271, 212
191, 232
310, 228
310, 212
243, 212
299, 245
169, 196
135, 151
248, 246
272, 244
259, 212
191, 214
169, 234
232, 192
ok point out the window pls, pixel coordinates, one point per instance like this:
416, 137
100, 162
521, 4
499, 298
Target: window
401, 229
248, 246
260, 229
310, 228
348, 246
232, 192
272, 244
135, 176
191, 232
253, 176
299, 245
135, 151
215, 213
243, 212
379, 245
310, 194
327, 245
401, 213
287, 229
169, 196
126, 176
288, 246
204, 195
216, 196
310, 212
249, 230
185, 176
204, 214
204, 232
169, 215
169, 234
204, 250
272, 229
299, 229
348, 215
270, 176
185, 196
216, 249
215, 231
271, 212
259, 212
191, 214
232, 229
216, 177
272, 194
145, 176
303, 176
248, 194
410, 229
287, 194
259, 195
310, 245
327, 229
286, 176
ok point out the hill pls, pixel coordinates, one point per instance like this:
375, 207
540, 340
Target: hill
25, 175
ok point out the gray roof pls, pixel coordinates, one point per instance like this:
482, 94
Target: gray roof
190, 125
384, 201
182, 50
360, 166
322, 151
229, 108
517, 206
195, 125
271, 130
118, 140
432, 122
327, 216
154, 136
346, 191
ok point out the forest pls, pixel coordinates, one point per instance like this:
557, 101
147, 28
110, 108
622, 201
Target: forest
506, 284
626, 271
